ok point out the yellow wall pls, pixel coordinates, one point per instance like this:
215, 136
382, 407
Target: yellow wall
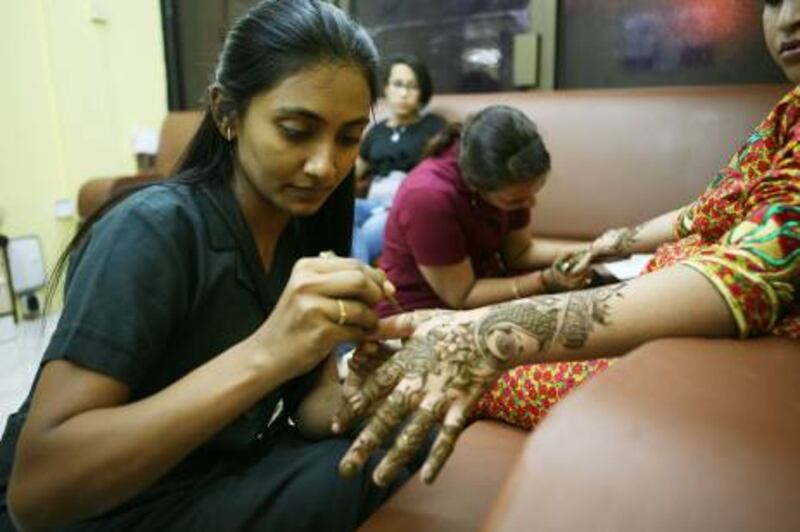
74, 91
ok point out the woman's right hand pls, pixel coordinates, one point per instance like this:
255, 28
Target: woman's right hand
570, 271
326, 301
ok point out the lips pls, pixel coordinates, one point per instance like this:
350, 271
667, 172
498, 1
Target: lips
308, 193
790, 46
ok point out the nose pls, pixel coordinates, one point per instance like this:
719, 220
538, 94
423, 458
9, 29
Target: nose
789, 16
321, 163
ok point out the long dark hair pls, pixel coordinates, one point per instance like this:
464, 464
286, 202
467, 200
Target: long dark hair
499, 146
274, 40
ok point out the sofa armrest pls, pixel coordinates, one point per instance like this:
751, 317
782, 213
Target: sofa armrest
460, 498
679, 435
95, 192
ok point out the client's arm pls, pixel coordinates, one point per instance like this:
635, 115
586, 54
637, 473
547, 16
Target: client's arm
644, 238
450, 361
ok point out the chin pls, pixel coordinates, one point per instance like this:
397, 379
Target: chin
793, 74
303, 208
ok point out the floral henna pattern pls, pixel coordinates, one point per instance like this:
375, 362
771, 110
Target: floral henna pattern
406, 446
442, 449
626, 240
456, 361
514, 333
583, 311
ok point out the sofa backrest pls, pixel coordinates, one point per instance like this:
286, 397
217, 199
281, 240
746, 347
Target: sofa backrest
622, 156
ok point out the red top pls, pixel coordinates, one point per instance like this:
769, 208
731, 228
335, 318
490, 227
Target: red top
436, 220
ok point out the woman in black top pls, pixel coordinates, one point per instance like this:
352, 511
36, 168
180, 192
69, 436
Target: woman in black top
391, 148
190, 374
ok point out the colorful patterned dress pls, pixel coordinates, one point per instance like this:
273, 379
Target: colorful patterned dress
743, 234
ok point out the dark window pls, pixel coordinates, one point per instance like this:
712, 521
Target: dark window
194, 31
635, 43
466, 44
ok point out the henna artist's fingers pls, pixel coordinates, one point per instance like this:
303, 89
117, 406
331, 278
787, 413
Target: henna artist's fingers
454, 423
397, 326
382, 423
404, 325
409, 441
358, 399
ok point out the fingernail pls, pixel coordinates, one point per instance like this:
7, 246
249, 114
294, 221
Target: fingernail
380, 480
426, 475
347, 469
389, 288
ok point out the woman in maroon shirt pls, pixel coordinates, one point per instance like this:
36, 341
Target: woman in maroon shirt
460, 222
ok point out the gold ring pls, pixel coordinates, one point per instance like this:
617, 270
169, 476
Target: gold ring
342, 312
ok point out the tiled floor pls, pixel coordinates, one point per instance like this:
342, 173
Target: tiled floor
19, 358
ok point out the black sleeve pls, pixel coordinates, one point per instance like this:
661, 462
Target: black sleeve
127, 290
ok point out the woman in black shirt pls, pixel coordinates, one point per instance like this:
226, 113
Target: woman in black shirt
391, 148
189, 385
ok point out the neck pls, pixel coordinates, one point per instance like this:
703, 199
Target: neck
404, 120
265, 221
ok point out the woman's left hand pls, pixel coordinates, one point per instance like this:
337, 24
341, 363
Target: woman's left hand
434, 380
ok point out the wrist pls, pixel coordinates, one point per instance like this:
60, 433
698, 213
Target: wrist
549, 282
267, 365
515, 288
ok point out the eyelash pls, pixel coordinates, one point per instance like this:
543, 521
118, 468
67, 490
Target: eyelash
294, 134
301, 135
773, 3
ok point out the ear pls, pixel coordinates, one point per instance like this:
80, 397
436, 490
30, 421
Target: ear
224, 112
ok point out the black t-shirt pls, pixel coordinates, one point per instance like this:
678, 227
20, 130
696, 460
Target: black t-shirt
166, 281
388, 148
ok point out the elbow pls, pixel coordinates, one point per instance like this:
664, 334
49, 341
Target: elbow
36, 499
26, 509
455, 302
459, 298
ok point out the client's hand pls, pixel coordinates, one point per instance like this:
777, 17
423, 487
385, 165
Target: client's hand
436, 379
616, 243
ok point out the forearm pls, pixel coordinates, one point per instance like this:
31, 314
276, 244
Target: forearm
542, 252
648, 236
496, 290
117, 452
603, 322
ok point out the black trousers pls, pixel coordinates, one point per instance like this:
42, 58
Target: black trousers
293, 486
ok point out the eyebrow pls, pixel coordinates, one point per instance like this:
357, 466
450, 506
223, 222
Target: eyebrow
314, 117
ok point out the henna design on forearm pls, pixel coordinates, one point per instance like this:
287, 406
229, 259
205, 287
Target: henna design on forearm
545, 321
627, 239
535, 317
583, 311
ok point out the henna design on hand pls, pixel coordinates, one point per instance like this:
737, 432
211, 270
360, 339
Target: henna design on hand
455, 361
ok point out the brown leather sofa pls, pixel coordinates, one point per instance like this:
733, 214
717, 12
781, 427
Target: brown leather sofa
176, 131
681, 434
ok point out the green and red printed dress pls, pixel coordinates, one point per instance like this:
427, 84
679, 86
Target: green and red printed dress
742, 233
